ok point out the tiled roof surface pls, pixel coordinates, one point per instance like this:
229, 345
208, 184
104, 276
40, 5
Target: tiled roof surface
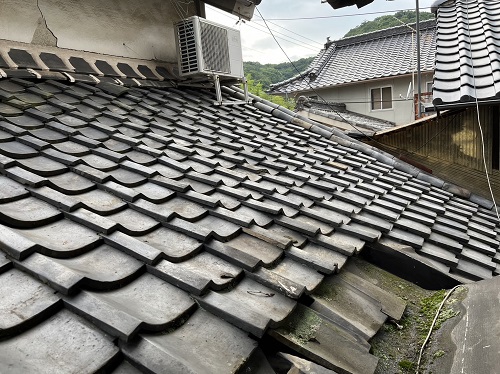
380, 54
338, 112
468, 52
145, 229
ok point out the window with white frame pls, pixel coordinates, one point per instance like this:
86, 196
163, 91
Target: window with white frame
381, 98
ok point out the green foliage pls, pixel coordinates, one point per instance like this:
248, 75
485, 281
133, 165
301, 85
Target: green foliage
257, 88
439, 353
267, 74
428, 309
384, 22
406, 365
302, 326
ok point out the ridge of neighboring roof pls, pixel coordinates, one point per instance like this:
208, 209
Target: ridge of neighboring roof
356, 124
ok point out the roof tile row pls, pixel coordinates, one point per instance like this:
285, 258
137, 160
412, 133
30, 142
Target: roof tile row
468, 52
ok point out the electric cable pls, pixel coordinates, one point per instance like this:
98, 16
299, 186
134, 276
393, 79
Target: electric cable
479, 118
340, 16
432, 326
312, 88
295, 41
312, 48
367, 13
293, 32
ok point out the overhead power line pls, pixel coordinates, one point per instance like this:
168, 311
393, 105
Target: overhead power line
312, 88
287, 39
293, 32
284, 37
338, 15
365, 13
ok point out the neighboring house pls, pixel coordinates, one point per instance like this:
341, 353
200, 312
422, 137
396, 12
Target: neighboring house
453, 140
372, 74
145, 229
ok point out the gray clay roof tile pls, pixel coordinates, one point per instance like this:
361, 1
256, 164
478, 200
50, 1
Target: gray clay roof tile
111, 199
467, 53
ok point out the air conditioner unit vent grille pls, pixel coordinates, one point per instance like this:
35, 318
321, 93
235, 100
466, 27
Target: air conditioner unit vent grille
215, 48
187, 47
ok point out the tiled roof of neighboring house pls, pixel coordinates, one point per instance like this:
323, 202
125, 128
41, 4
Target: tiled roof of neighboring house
468, 52
143, 229
379, 54
351, 122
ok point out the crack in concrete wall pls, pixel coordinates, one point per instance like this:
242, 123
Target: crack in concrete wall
43, 35
146, 27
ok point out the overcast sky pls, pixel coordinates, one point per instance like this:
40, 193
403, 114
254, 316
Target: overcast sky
302, 38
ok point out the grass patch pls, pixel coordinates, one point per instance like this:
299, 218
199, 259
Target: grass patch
395, 347
407, 366
302, 326
438, 354
428, 309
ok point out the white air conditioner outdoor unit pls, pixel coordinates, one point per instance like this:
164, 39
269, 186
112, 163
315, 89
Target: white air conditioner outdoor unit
207, 48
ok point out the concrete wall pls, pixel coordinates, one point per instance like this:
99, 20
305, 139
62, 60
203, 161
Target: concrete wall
357, 98
129, 28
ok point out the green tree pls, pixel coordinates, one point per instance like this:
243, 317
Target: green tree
255, 87
267, 74
384, 22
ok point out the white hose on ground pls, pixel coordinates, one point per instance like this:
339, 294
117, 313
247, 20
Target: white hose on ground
433, 324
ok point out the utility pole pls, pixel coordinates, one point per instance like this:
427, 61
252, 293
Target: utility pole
419, 78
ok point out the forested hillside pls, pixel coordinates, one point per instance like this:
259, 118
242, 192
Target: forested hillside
266, 74
384, 22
